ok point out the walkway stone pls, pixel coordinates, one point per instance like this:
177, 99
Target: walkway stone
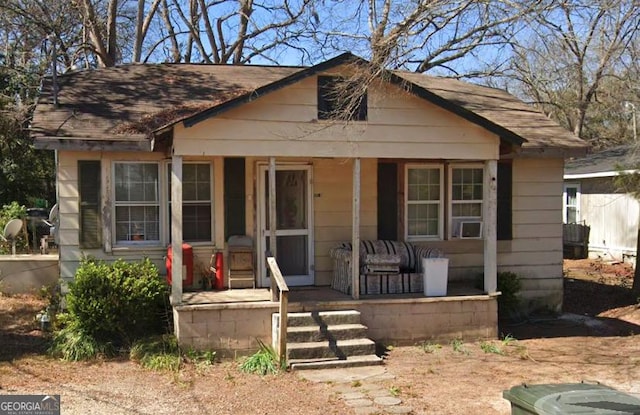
387, 401
359, 402
361, 388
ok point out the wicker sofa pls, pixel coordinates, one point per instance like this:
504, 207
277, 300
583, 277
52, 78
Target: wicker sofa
386, 267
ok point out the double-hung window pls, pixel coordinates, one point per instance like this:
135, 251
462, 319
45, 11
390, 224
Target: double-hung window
137, 202
424, 202
466, 201
196, 201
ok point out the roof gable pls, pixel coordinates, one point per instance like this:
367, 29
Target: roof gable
131, 104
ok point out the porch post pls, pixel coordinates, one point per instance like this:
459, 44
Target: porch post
489, 213
176, 229
355, 232
272, 222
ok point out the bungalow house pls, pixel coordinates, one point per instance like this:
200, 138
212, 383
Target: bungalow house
592, 200
151, 156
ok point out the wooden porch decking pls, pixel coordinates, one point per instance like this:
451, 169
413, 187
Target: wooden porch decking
310, 295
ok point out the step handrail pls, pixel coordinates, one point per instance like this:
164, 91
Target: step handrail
282, 293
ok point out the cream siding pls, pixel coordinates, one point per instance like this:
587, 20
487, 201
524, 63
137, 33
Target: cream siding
398, 125
69, 248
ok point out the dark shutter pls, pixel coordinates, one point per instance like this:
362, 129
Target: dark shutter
387, 201
89, 188
505, 215
234, 196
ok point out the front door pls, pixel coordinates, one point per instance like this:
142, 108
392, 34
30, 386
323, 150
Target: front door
294, 227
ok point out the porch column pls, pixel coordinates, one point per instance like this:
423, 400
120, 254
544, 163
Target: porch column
489, 213
176, 229
355, 232
272, 222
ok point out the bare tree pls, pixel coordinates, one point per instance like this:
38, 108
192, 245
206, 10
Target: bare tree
422, 34
572, 54
235, 31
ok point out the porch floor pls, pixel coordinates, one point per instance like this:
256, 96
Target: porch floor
309, 295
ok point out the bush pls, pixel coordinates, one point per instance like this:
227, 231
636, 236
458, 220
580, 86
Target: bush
509, 301
8, 212
113, 305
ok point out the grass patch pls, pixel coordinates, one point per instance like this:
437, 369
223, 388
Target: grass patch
73, 344
157, 353
263, 362
395, 390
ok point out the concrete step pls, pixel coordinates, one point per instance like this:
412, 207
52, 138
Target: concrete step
298, 334
332, 363
340, 349
326, 318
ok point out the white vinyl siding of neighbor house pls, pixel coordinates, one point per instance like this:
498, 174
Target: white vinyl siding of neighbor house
612, 217
284, 123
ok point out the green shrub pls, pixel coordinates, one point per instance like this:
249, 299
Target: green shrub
509, 301
8, 212
115, 304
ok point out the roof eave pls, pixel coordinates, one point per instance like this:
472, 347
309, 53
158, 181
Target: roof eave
142, 144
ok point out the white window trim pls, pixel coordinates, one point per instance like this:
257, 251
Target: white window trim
167, 219
450, 200
407, 167
118, 243
564, 200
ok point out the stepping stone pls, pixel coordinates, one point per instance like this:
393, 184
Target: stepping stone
356, 403
353, 395
387, 401
367, 410
378, 393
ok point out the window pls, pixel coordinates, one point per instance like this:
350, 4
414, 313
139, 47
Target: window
466, 201
341, 99
196, 201
424, 202
571, 203
137, 202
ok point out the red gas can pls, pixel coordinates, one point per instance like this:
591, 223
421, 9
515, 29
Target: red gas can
187, 264
219, 283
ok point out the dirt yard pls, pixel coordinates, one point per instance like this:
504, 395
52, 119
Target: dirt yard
596, 342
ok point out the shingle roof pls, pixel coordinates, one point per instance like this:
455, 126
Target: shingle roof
125, 104
609, 161
503, 109
122, 104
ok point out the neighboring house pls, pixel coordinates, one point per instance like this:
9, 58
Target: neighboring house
592, 198
419, 157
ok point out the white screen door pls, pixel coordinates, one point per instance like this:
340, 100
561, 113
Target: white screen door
294, 227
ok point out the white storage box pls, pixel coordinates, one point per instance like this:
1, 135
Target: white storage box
435, 276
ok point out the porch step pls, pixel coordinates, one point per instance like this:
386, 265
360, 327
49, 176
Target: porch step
339, 349
327, 339
297, 334
327, 318
333, 363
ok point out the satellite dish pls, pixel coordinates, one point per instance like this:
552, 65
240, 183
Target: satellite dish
11, 231
53, 223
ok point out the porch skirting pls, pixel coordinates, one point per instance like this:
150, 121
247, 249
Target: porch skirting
234, 328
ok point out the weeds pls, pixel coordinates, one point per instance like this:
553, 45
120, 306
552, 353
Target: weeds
356, 384
263, 362
458, 346
490, 347
395, 390
429, 347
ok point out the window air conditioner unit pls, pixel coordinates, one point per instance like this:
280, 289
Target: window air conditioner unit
470, 230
